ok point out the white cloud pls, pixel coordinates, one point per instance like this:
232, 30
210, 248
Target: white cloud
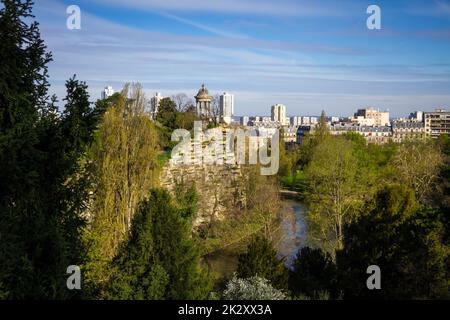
259, 72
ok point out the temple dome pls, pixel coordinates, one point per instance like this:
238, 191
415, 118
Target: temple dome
203, 93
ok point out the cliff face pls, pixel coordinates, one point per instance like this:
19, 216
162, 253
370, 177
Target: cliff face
220, 188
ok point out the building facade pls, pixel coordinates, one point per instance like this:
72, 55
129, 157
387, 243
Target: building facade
245, 120
380, 118
416, 116
226, 107
437, 123
372, 134
154, 104
296, 121
279, 114
407, 130
107, 92
289, 134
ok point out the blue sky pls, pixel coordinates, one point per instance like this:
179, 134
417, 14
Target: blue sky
308, 55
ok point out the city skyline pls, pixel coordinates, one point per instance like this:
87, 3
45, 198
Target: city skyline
305, 55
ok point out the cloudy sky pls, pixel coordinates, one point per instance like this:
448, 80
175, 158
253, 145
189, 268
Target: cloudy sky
307, 54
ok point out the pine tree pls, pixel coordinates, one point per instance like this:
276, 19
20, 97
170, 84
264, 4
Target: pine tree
41, 193
261, 260
159, 260
313, 273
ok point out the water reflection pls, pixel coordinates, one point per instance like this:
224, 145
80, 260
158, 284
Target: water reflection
291, 235
288, 237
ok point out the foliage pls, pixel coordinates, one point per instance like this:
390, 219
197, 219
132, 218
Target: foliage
297, 182
261, 260
125, 165
187, 199
167, 113
104, 104
170, 117
255, 208
405, 241
159, 260
313, 273
42, 177
336, 191
253, 288
417, 164
321, 132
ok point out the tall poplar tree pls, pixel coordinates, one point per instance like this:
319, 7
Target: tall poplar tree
125, 166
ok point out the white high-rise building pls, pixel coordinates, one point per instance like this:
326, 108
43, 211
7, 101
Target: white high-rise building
226, 107
107, 92
416, 116
154, 103
296, 121
279, 113
245, 120
306, 120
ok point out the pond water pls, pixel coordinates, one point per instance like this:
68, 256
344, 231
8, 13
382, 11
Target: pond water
289, 236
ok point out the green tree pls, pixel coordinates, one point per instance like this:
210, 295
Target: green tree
405, 241
321, 132
159, 260
261, 260
187, 199
104, 104
417, 164
41, 180
167, 113
336, 191
313, 273
125, 165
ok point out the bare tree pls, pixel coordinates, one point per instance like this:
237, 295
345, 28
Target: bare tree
417, 163
182, 101
215, 109
191, 108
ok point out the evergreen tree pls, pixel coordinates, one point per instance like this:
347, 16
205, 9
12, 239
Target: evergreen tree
167, 113
405, 241
261, 260
41, 187
159, 260
79, 119
313, 273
